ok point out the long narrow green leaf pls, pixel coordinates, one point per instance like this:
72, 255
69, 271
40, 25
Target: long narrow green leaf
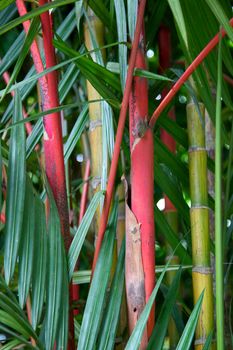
26, 251
132, 10
39, 263
110, 321
18, 337
171, 237
96, 297
135, 338
63, 329
12, 53
5, 3
81, 232
187, 336
15, 193
7, 14
76, 133
34, 13
159, 332
53, 318
33, 30
220, 14
11, 345
122, 36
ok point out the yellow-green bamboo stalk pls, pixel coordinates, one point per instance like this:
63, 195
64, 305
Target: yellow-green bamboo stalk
172, 219
95, 129
199, 215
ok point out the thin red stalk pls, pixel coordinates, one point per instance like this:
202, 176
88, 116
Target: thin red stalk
53, 145
226, 77
191, 68
142, 174
83, 204
119, 134
164, 41
28, 126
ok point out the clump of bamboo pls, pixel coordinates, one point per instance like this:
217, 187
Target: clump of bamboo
94, 27
141, 213
170, 211
199, 215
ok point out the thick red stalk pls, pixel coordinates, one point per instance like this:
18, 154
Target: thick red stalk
53, 144
119, 134
142, 174
83, 204
191, 68
164, 41
28, 126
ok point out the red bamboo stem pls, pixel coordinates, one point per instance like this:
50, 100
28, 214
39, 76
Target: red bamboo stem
119, 134
191, 68
53, 145
142, 174
53, 148
3, 218
83, 202
83, 205
164, 42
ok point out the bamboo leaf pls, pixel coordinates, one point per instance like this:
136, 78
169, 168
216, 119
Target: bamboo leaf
122, 36
96, 297
55, 275
135, 338
26, 251
34, 13
16, 192
220, 14
12, 53
132, 7
208, 341
187, 336
110, 321
76, 133
159, 332
18, 337
81, 232
171, 237
33, 30
5, 3
39, 264
7, 14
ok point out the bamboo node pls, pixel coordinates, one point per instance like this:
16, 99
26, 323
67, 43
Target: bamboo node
206, 270
202, 341
96, 181
196, 149
95, 124
198, 206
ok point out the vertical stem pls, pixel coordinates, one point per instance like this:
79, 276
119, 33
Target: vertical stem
95, 114
53, 148
142, 174
199, 215
170, 212
119, 134
53, 145
218, 212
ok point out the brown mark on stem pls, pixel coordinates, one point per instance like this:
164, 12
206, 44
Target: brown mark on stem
134, 274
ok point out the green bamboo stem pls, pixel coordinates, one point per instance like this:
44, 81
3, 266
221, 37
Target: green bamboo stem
218, 213
199, 215
95, 130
